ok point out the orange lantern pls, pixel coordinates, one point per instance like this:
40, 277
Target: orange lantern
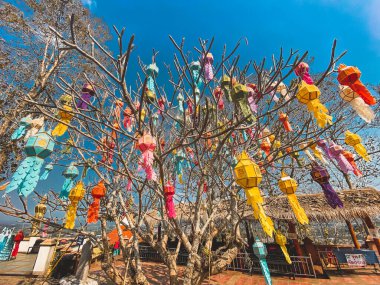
98, 192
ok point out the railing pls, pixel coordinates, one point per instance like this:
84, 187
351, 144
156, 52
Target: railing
300, 266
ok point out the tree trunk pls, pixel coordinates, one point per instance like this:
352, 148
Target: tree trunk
172, 266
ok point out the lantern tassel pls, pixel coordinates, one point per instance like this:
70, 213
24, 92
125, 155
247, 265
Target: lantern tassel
67, 186
256, 200
321, 113
71, 215
147, 165
331, 196
362, 109
26, 176
350, 158
281, 241
169, 204
298, 211
93, 211
45, 174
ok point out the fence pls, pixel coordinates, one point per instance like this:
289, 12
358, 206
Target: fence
301, 265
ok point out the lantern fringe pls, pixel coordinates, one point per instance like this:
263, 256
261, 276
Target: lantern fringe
281, 241
71, 215
67, 186
298, 211
362, 109
169, 204
26, 176
93, 211
255, 199
321, 113
331, 196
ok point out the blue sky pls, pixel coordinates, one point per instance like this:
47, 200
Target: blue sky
268, 25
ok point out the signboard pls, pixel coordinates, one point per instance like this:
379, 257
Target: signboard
80, 240
356, 260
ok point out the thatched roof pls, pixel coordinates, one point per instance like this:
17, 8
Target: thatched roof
357, 204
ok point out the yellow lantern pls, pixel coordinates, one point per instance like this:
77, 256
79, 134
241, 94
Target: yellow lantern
309, 95
288, 186
65, 116
76, 194
248, 176
39, 213
281, 241
354, 140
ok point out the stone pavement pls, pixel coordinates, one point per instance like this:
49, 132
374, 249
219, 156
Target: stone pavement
22, 265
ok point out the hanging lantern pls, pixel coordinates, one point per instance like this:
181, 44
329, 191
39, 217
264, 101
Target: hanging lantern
248, 176
354, 140
288, 186
226, 86
195, 68
147, 144
309, 95
239, 95
281, 241
88, 92
351, 159
169, 203
266, 147
336, 152
357, 103
180, 158
253, 97
302, 70
150, 91
128, 119
26, 176
65, 116
208, 60
284, 119
281, 88
260, 250
76, 194
180, 100
39, 213
98, 192
45, 174
161, 105
70, 173
321, 176
350, 76
23, 126
218, 94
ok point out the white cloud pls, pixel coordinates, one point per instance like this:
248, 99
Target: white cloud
89, 3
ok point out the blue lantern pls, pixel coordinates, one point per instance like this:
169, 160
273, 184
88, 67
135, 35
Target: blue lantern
195, 68
70, 173
45, 174
37, 148
24, 124
152, 72
260, 250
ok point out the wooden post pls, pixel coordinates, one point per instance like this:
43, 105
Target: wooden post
371, 226
353, 234
292, 230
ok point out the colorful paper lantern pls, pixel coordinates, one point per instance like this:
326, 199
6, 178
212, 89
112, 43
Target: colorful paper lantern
147, 144
70, 173
88, 91
260, 250
350, 76
195, 68
97, 193
76, 194
354, 140
284, 119
302, 70
351, 159
65, 116
48, 168
336, 152
169, 192
152, 73
23, 126
208, 60
288, 186
309, 95
321, 176
248, 176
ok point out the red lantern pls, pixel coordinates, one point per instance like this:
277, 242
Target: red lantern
146, 144
98, 192
169, 204
266, 146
